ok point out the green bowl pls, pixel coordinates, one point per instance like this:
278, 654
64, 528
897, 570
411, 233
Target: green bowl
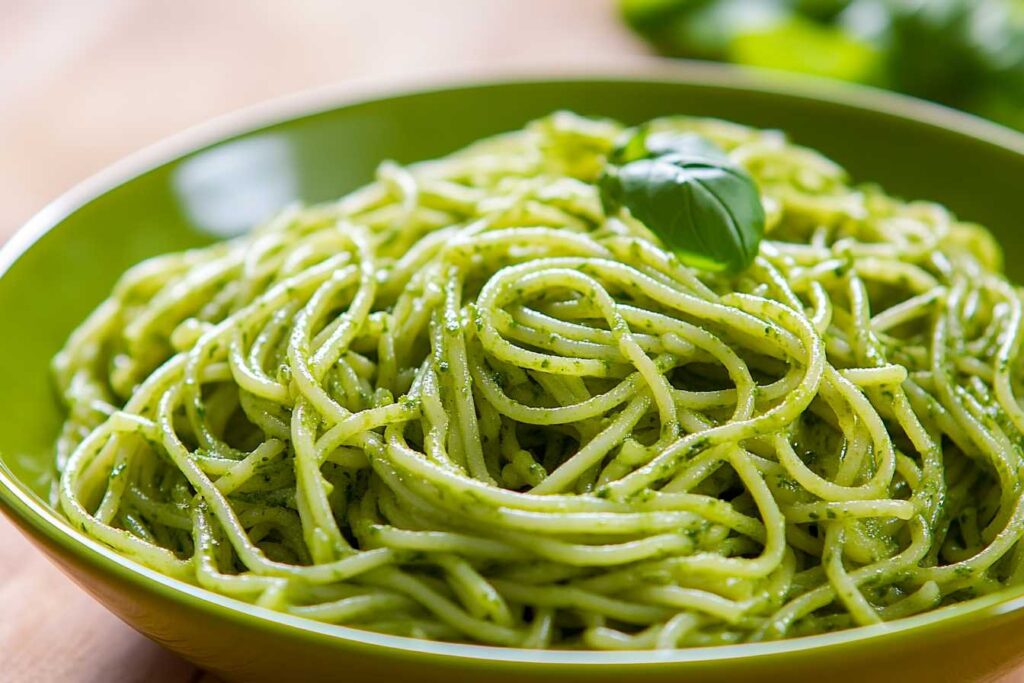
213, 183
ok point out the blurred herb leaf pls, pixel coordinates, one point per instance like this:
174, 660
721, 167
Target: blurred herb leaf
808, 47
701, 29
965, 53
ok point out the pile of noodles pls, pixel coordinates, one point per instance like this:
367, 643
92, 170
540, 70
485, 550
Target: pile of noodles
462, 403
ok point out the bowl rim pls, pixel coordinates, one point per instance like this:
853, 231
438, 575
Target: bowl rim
29, 512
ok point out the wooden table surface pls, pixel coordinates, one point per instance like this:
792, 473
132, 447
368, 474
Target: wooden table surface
85, 82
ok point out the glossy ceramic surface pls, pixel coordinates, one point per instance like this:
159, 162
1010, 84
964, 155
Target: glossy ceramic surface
216, 182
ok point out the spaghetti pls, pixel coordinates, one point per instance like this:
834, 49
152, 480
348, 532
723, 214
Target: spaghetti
462, 403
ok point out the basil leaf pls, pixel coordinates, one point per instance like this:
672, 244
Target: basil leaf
687, 191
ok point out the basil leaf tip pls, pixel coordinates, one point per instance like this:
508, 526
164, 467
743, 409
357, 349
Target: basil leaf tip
686, 190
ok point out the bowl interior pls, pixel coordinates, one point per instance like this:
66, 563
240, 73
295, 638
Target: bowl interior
51, 276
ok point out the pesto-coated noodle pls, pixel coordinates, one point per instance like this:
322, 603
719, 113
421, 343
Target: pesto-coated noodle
462, 403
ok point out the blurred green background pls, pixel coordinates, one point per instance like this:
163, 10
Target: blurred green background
968, 54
